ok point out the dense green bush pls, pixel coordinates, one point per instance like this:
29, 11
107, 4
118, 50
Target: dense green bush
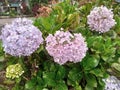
101, 60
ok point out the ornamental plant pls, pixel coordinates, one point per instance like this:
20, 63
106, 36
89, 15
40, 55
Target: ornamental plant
111, 83
64, 47
21, 38
71, 52
100, 19
14, 71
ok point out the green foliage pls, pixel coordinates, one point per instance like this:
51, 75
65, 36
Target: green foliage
2, 57
34, 2
67, 14
102, 46
75, 74
90, 62
1, 53
64, 15
47, 24
103, 56
117, 28
61, 86
31, 84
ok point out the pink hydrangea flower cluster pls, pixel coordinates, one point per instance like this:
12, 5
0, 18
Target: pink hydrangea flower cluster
64, 47
101, 19
21, 37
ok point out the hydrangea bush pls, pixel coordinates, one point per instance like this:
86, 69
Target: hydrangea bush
74, 48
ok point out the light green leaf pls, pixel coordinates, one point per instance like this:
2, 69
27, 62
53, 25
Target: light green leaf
2, 58
90, 62
29, 85
97, 72
116, 66
89, 87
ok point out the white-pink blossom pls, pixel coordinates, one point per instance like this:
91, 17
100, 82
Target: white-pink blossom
64, 47
101, 19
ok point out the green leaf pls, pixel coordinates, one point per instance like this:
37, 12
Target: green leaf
1, 58
61, 86
2, 65
105, 58
78, 87
30, 85
71, 82
41, 82
61, 72
16, 87
117, 27
97, 72
38, 87
91, 80
116, 66
49, 78
89, 87
75, 74
99, 87
40, 49
101, 82
90, 62
48, 66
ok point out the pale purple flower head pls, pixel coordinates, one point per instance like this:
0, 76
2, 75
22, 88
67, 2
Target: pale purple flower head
101, 19
21, 37
64, 47
112, 83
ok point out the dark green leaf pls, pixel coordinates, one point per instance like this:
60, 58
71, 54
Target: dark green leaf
49, 78
38, 87
30, 85
75, 74
101, 82
61, 86
60, 73
91, 80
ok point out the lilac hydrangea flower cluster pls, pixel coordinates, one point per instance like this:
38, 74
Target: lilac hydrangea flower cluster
101, 19
64, 47
21, 37
112, 83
